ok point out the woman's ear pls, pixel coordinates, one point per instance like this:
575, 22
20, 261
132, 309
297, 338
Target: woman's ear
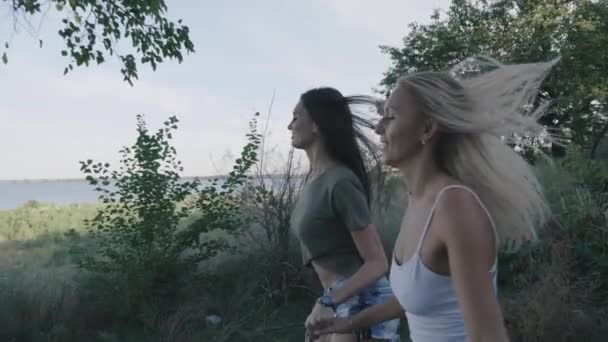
315, 129
431, 128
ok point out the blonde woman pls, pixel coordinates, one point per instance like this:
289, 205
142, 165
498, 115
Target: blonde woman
468, 192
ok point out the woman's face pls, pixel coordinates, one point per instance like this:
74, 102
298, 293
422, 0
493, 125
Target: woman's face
401, 129
303, 129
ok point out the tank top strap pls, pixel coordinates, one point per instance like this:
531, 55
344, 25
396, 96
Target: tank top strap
429, 218
432, 211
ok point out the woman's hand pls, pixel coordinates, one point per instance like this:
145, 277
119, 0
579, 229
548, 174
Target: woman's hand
319, 314
390, 309
331, 325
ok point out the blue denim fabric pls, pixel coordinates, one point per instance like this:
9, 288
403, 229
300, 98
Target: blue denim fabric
376, 294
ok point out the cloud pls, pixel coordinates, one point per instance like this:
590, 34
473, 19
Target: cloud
104, 86
388, 20
51, 121
243, 54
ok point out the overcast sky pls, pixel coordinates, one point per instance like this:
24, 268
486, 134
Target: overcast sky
245, 50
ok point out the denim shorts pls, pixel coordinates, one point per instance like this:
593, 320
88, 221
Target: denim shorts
375, 294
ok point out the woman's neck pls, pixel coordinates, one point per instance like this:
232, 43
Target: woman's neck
420, 175
319, 159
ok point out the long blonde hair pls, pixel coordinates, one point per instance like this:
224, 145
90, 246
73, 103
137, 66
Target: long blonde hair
478, 116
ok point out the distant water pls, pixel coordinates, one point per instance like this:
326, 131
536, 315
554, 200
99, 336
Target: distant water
15, 193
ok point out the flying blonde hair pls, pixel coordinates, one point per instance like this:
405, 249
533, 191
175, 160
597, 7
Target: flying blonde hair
479, 113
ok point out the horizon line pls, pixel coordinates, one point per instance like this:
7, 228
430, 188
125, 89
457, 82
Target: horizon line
45, 180
33, 180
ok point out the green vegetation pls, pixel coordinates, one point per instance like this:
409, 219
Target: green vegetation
142, 242
93, 29
159, 257
255, 282
34, 219
524, 31
554, 291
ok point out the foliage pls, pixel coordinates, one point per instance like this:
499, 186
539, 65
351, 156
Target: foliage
589, 172
268, 199
140, 240
564, 269
34, 219
272, 199
218, 204
523, 31
92, 30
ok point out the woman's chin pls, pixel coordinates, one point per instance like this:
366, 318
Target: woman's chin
389, 162
295, 144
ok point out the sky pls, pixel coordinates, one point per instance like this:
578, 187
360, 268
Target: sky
247, 52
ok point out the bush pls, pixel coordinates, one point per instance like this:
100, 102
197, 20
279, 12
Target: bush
142, 246
592, 173
554, 290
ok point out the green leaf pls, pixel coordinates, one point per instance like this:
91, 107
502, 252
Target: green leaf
155, 38
4, 58
577, 30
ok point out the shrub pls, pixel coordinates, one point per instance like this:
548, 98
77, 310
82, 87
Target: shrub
142, 245
553, 290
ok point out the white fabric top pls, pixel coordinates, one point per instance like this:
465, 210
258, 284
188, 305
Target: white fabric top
428, 298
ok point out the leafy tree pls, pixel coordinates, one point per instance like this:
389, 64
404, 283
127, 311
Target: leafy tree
518, 31
92, 29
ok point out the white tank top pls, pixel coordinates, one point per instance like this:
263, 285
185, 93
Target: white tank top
429, 300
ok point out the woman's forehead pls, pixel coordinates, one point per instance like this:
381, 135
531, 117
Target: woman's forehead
299, 108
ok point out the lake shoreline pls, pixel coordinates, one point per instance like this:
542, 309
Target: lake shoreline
16, 193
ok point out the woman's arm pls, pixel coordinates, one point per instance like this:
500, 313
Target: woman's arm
465, 229
379, 313
349, 204
374, 265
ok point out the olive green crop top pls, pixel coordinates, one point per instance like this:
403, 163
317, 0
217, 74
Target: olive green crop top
328, 209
